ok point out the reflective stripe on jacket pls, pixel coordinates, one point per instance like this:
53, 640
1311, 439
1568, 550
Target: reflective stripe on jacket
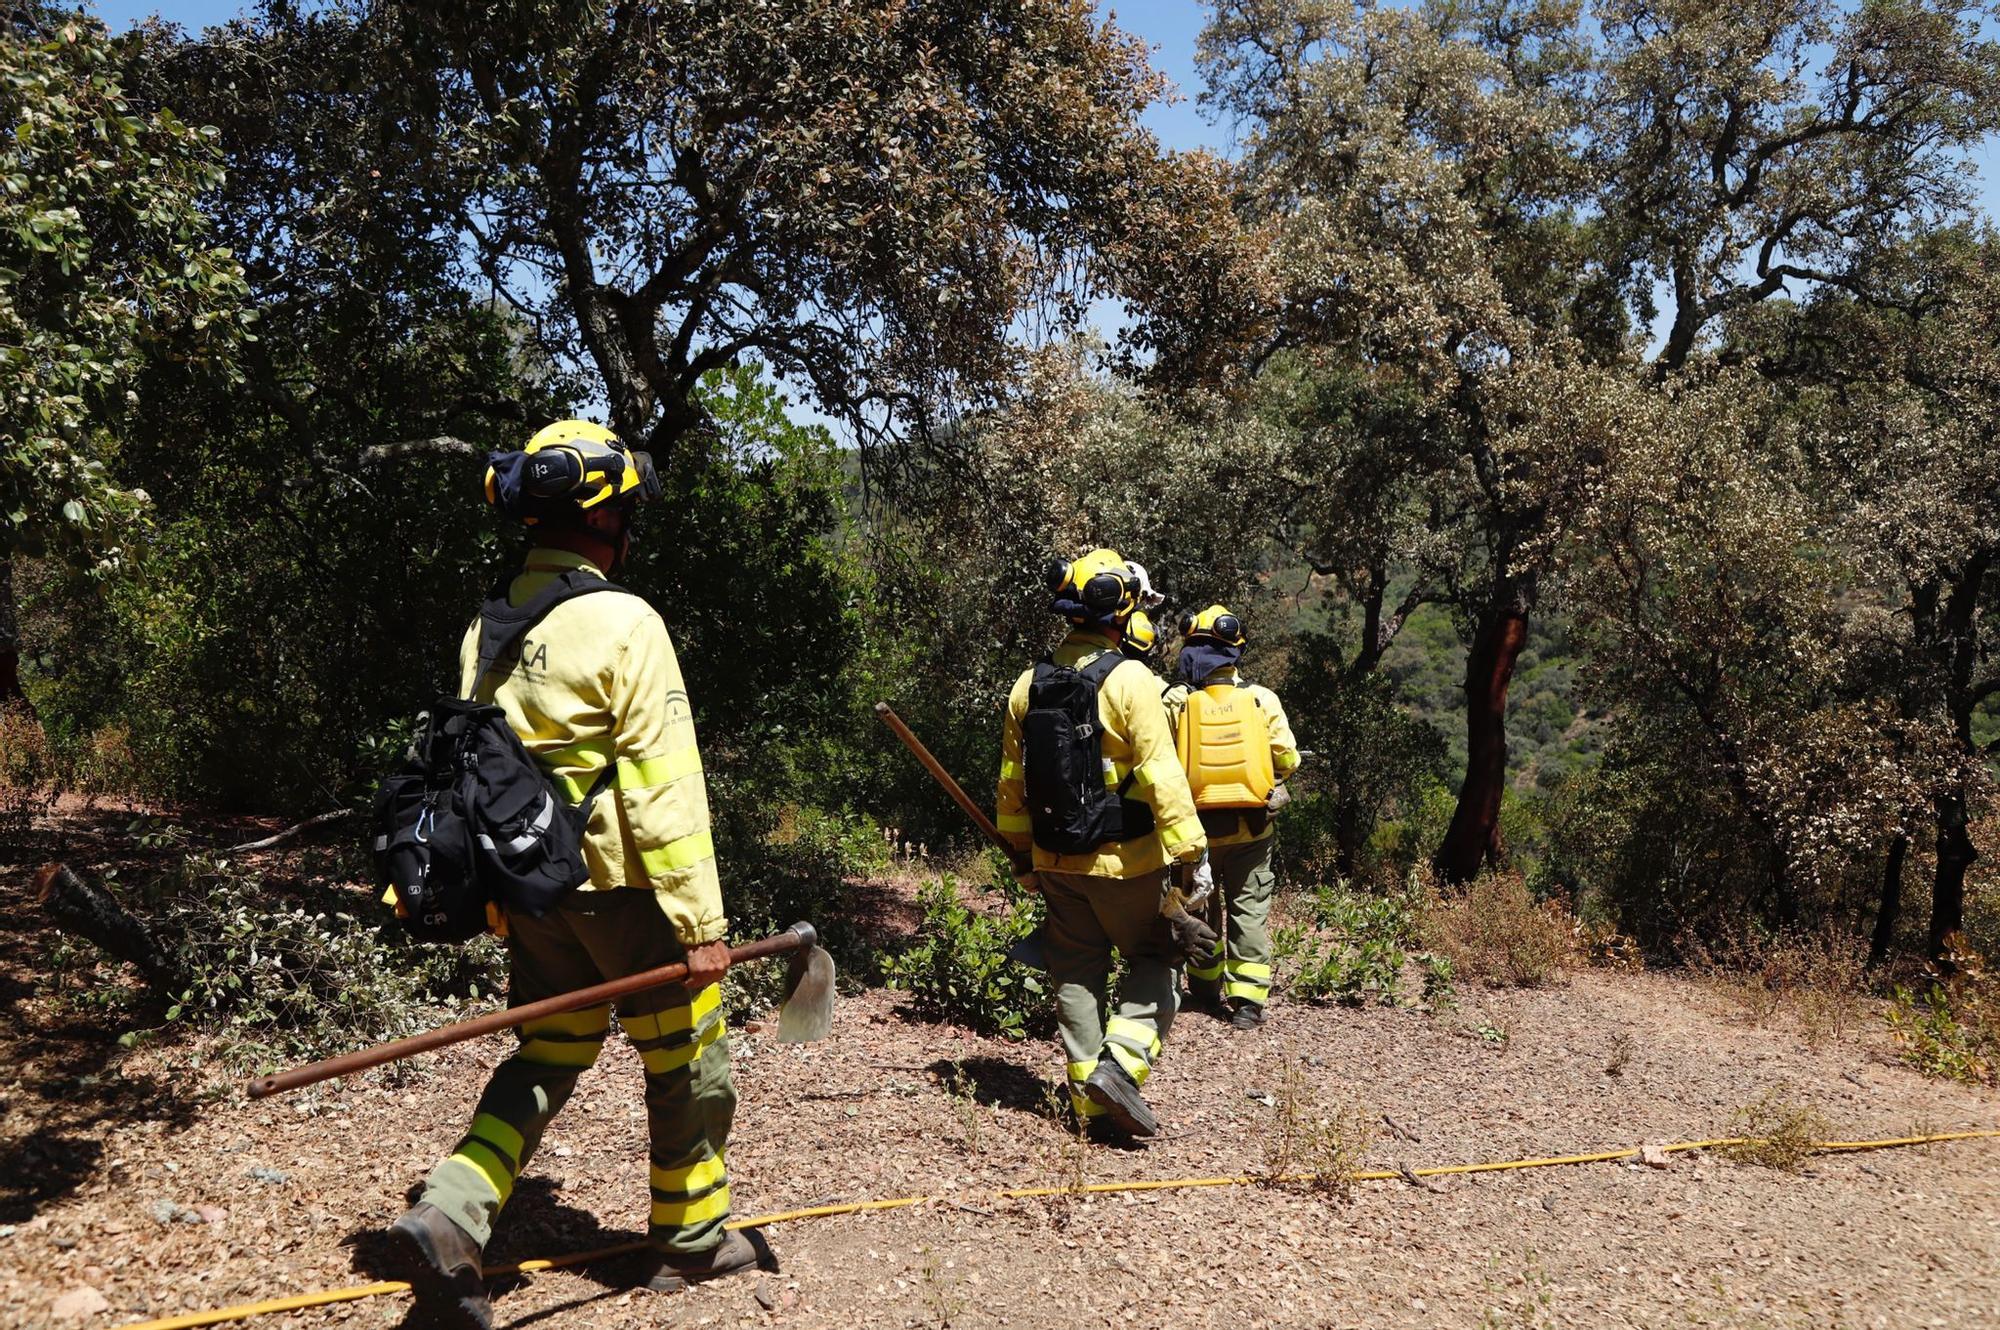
1284, 746
597, 684
1137, 741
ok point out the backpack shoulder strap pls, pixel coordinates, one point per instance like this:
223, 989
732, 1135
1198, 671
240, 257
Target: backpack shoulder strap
1099, 669
502, 625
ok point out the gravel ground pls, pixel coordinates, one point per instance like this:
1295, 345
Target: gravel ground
121, 1198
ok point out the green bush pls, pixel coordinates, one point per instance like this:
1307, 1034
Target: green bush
787, 863
1354, 947
1951, 1028
958, 968
314, 969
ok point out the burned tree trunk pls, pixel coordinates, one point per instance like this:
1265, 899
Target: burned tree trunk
1889, 909
11, 693
92, 912
1473, 837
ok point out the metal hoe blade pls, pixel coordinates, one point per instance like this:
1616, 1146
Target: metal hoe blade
806, 1015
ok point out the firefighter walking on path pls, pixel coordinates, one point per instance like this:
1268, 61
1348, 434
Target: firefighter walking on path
1237, 749
595, 694
1090, 781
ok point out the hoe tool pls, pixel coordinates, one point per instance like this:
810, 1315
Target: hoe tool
805, 1016
1194, 939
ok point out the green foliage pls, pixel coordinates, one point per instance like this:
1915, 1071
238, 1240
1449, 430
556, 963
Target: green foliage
104, 269
1355, 946
280, 974
1373, 763
786, 863
957, 970
1950, 1028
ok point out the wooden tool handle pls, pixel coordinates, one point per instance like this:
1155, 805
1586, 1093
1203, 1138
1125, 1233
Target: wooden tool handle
943, 777
793, 938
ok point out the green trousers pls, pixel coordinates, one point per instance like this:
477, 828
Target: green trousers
592, 937
1240, 913
1088, 917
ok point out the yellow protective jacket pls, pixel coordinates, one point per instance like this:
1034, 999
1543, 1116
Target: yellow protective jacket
1284, 746
597, 683
1137, 740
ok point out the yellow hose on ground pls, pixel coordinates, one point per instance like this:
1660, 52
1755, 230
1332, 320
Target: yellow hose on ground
327, 1297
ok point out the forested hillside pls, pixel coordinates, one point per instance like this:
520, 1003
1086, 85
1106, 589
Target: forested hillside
1588, 412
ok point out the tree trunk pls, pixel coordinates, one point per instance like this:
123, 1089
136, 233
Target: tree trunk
1890, 908
10, 638
1474, 835
1955, 854
1955, 850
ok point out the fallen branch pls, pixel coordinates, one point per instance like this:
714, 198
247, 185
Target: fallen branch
447, 445
319, 820
93, 913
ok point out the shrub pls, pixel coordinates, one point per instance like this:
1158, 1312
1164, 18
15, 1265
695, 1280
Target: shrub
1951, 1028
1353, 946
959, 971
786, 863
321, 970
1311, 1143
1498, 932
29, 776
1777, 1131
1820, 975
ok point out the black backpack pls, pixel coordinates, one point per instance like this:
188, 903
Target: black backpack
470, 817
1062, 741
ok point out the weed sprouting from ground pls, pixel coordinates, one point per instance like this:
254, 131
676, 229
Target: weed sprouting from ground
1312, 1143
963, 1094
1532, 1307
1066, 1158
1496, 931
1777, 1131
1620, 1054
945, 1301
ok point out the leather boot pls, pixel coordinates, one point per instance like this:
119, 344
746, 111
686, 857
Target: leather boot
441, 1261
1247, 1016
670, 1271
1119, 1095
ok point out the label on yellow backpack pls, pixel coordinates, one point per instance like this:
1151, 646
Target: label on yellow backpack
1225, 748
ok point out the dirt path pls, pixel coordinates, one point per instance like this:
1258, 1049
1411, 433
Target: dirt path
165, 1206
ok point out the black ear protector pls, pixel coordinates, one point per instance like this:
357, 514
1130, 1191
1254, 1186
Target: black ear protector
1229, 628
1056, 573
1105, 592
1185, 624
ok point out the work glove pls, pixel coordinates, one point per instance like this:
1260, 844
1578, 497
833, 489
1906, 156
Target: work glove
1194, 941
1025, 876
1281, 794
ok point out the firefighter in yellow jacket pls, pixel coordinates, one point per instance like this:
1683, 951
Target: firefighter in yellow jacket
597, 685
1237, 749
1090, 783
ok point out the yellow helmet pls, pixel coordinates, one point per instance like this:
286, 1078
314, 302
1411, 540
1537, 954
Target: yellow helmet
1097, 586
1216, 624
571, 466
1142, 639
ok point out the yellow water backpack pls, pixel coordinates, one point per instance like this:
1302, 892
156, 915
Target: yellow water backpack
1225, 747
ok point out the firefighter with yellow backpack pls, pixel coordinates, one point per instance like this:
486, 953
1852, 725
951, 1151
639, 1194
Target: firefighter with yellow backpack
1237, 749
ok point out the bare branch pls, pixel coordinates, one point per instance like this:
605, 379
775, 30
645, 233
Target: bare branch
442, 445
